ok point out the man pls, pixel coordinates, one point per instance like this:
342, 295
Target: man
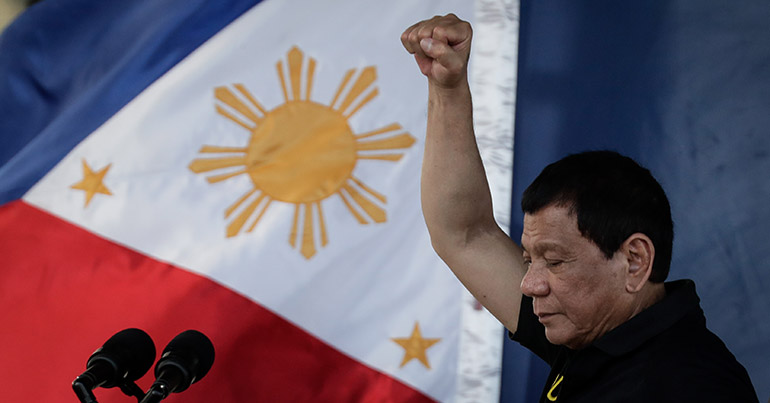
586, 291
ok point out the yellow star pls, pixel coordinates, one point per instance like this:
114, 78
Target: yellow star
92, 182
415, 346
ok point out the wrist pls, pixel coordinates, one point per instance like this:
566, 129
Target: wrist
454, 92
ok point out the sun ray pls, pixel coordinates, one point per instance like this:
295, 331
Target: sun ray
377, 195
308, 238
279, 67
370, 96
322, 224
381, 157
238, 202
310, 76
307, 246
220, 178
341, 87
295, 71
210, 164
401, 141
364, 80
389, 128
261, 213
240, 220
374, 211
356, 214
294, 223
220, 149
227, 97
222, 111
251, 98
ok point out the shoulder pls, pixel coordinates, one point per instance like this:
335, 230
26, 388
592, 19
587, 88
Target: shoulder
695, 366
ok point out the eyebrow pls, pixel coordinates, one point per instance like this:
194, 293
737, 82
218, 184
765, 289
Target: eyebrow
546, 246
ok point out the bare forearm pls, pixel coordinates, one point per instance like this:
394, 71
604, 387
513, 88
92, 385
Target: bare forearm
455, 195
457, 207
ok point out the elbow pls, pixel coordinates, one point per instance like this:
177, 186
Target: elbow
445, 243
450, 245
440, 246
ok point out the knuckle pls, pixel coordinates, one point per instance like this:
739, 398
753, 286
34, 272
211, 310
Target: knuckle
439, 31
467, 27
425, 31
413, 35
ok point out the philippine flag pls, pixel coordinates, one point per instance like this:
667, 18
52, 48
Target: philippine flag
249, 170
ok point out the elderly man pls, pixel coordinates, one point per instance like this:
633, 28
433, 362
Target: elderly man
586, 290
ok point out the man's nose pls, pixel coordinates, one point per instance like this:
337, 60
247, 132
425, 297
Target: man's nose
535, 283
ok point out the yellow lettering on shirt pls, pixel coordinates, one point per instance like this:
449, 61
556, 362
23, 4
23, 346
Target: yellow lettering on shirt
556, 383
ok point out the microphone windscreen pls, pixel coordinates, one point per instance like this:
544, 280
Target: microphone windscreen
131, 349
194, 348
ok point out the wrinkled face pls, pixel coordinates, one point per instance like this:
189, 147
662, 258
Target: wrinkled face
578, 294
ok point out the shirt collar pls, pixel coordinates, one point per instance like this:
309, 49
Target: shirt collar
680, 299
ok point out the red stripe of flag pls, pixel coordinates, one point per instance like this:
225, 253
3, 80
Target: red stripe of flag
64, 291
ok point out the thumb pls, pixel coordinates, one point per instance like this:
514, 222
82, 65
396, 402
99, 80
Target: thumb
444, 54
428, 46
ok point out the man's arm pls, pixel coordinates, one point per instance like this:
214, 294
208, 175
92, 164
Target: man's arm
456, 201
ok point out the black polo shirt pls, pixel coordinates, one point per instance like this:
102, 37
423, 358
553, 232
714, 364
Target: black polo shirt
663, 354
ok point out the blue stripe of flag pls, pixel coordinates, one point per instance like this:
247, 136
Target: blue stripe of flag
66, 66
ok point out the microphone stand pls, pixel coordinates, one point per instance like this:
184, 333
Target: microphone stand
166, 382
85, 395
155, 395
130, 388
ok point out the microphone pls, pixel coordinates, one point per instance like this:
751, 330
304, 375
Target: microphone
123, 358
185, 360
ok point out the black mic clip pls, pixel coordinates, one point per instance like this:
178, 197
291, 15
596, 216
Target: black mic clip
130, 388
86, 395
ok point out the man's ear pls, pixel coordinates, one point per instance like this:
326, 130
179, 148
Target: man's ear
640, 253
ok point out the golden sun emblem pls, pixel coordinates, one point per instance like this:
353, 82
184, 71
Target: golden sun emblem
302, 152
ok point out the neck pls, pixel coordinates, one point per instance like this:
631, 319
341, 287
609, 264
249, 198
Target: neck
648, 296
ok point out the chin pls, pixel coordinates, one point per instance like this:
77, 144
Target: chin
562, 338
555, 337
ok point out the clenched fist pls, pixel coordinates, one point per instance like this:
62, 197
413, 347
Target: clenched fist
441, 47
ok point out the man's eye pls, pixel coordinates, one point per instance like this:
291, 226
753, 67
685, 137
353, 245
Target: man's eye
553, 263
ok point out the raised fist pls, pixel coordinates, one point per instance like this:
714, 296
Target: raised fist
441, 47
